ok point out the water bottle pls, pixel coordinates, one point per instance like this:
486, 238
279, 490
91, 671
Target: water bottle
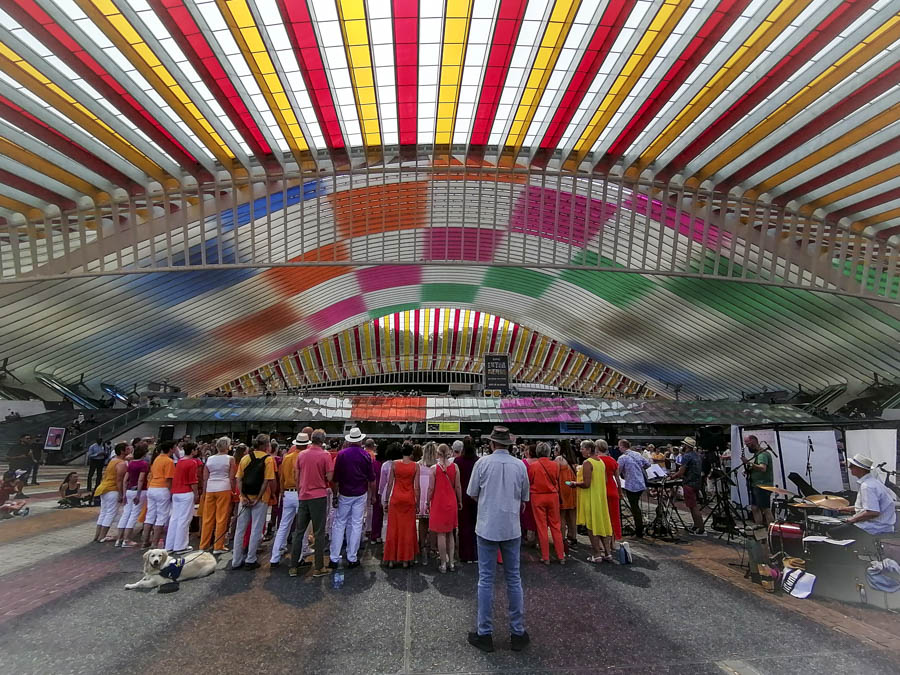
337, 580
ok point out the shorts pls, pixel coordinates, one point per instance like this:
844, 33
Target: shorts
759, 497
159, 505
690, 496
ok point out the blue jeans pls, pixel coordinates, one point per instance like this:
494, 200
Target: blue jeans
487, 569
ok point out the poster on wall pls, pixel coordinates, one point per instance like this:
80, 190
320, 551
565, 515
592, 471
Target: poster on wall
55, 436
496, 372
824, 464
879, 444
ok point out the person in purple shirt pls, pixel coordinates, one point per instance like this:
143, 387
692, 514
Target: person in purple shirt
354, 473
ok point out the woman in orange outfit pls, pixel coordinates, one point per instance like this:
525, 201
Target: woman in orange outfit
568, 497
543, 479
218, 483
401, 542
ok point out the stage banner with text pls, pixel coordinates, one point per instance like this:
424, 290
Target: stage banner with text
442, 427
496, 372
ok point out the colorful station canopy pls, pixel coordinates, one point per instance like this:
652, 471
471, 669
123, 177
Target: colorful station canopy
697, 194
795, 101
437, 342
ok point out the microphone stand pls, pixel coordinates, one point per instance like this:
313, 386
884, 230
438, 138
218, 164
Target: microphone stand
809, 450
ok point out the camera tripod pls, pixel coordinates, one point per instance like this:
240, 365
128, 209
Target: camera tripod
667, 519
724, 515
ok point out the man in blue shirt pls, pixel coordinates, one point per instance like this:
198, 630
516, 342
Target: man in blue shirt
499, 484
631, 471
96, 457
691, 470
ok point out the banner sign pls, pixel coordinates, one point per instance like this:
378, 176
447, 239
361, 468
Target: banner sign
496, 372
442, 427
574, 428
55, 436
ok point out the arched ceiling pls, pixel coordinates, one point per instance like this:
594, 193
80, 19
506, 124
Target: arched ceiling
791, 100
678, 190
436, 341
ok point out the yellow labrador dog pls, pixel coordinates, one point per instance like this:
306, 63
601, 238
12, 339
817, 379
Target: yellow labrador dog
161, 568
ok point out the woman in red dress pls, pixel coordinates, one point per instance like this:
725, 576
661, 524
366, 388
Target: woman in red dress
612, 487
445, 500
401, 543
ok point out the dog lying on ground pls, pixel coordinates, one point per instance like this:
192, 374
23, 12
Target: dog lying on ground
161, 568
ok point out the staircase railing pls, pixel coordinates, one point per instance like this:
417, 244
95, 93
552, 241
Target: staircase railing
77, 445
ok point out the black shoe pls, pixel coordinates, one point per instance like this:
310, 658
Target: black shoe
332, 565
351, 565
237, 567
251, 566
484, 642
274, 564
304, 563
518, 642
20, 495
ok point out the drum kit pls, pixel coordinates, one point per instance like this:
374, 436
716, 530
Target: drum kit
797, 517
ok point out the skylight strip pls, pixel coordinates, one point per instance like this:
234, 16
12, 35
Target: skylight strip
211, 21
277, 42
481, 29
77, 144
774, 81
39, 86
355, 29
735, 67
406, 67
457, 21
667, 17
122, 33
872, 47
306, 48
716, 20
192, 41
199, 102
171, 152
248, 39
503, 44
554, 36
431, 28
380, 26
605, 34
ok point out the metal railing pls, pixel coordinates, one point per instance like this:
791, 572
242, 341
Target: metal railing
401, 214
77, 445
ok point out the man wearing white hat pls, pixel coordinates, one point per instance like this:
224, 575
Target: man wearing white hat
354, 473
875, 512
289, 500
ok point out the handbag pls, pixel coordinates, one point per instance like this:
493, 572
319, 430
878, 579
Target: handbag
623, 553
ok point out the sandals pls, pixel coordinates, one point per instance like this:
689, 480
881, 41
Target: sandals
595, 559
443, 568
107, 539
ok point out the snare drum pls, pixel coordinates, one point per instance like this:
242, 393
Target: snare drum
821, 524
786, 537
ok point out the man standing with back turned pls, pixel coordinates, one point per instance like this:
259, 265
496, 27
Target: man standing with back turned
499, 484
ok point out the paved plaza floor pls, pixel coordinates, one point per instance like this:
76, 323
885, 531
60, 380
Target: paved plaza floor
63, 609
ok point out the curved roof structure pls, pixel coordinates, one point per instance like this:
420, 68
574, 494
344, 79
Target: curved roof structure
693, 193
438, 343
794, 100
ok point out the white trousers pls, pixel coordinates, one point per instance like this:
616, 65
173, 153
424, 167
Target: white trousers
349, 516
131, 511
180, 521
109, 504
289, 505
159, 503
256, 516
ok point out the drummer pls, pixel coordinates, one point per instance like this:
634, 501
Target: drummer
875, 511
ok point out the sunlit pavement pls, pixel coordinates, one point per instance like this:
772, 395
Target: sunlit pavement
66, 611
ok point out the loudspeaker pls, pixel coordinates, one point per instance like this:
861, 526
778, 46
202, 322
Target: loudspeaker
166, 432
712, 438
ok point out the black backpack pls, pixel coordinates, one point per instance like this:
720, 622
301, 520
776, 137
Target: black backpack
254, 475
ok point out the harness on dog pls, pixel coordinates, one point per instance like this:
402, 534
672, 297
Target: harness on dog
172, 570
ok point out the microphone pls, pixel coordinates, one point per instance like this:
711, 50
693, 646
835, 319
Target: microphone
810, 443
769, 448
881, 466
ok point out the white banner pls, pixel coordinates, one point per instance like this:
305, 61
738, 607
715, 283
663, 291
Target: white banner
824, 462
879, 444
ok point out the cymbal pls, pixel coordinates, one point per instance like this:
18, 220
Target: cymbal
776, 490
802, 505
834, 501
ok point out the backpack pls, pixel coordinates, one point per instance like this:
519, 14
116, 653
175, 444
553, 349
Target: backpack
254, 474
